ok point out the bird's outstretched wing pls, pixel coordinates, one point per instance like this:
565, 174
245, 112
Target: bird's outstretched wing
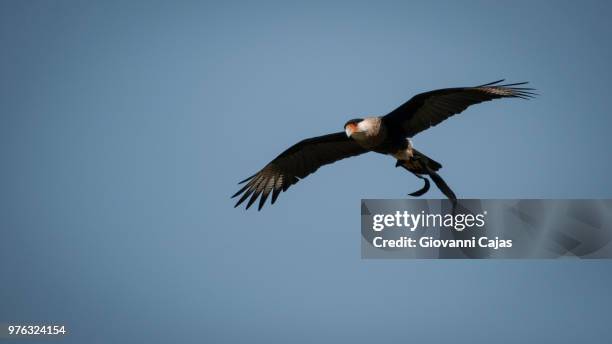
295, 163
427, 109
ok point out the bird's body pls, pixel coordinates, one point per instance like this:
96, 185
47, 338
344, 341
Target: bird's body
403, 152
372, 133
389, 134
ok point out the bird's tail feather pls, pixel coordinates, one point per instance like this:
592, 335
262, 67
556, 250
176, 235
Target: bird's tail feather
434, 165
421, 165
441, 184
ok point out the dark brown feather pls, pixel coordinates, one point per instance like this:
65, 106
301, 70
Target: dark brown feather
295, 163
428, 109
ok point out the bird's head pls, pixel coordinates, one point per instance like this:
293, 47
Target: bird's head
352, 126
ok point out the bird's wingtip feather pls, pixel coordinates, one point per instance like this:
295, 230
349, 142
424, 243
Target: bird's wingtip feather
492, 83
247, 179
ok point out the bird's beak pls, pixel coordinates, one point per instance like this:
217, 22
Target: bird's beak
349, 130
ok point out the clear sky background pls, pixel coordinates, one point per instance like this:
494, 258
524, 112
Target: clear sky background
124, 127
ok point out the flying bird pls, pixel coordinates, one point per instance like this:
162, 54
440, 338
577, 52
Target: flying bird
390, 134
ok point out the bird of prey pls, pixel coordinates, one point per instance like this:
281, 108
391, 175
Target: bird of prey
390, 134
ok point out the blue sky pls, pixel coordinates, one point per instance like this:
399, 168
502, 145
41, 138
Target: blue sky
124, 127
